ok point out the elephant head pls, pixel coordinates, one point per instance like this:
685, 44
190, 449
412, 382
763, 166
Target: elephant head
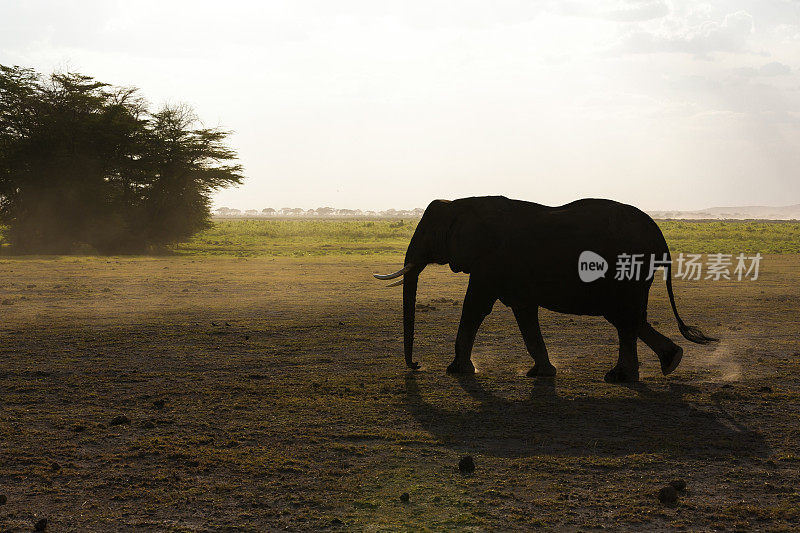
453, 233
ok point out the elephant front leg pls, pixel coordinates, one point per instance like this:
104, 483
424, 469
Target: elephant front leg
528, 322
627, 368
477, 304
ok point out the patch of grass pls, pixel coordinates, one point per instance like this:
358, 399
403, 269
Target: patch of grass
251, 237
719, 236
197, 451
783, 511
255, 237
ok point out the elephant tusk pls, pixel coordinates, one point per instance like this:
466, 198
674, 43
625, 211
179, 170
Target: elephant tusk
395, 274
396, 283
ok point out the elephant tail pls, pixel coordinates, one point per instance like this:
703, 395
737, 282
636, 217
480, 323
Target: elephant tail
691, 333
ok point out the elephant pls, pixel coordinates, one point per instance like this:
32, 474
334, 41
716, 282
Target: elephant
529, 256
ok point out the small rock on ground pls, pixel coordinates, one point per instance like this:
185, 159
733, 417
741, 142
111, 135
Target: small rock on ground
668, 496
119, 420
466, 465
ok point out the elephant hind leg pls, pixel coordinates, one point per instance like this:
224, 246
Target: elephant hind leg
669, 354
528, 322
627, 367
629, 315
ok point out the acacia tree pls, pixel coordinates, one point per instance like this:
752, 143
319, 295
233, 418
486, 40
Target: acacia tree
189, 163
85, 163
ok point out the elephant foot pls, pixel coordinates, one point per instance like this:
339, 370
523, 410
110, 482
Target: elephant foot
621, 375
461, 367
671, 360
540, 371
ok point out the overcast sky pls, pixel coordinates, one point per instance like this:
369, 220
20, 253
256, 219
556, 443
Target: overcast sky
372, 104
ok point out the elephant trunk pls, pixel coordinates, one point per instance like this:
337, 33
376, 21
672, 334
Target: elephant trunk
409, 310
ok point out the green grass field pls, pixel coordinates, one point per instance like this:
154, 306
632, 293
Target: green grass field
255, 237
305, 237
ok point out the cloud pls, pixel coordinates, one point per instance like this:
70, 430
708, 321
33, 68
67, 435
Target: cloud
616, 10
775, 68
637, 10
768, 70
731, 34
788, 32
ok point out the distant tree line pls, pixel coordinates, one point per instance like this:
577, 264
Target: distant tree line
318, 212
84, 163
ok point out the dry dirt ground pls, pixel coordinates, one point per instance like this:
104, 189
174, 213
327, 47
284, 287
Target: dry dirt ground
253, 394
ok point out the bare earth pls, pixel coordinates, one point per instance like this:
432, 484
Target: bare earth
252, 394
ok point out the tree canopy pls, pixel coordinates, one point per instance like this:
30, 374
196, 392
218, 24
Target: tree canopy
85, 163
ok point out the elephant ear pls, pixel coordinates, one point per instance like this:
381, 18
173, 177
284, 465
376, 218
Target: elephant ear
469, 240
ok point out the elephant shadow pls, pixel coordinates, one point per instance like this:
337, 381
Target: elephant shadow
546, 423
